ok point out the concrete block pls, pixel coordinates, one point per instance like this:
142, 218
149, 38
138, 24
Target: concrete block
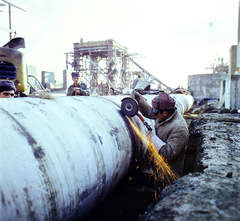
47, 77
232, 92
67, 79
228, 91
235, 92
206, 85
232, 59
222, 89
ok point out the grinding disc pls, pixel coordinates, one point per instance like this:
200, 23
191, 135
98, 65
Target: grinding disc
129, 106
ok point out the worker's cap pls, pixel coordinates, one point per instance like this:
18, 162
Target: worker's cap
163, 102
75, 74
7, 86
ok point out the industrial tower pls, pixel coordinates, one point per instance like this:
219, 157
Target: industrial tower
106, 66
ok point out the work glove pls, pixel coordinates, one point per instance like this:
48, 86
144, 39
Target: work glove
156, 141
135, 95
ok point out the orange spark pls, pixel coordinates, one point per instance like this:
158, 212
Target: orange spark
163, 170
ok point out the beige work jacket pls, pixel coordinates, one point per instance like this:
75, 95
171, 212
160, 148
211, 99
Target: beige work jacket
174, 132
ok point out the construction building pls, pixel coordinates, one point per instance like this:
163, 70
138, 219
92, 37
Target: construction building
106, 67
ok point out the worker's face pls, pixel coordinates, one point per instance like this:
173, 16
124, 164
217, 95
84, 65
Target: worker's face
162, 116
7, 94
76, 80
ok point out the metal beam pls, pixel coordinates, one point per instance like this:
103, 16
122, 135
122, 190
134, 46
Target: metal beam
102, 72
6, 29
10, 4
150, 74
14, 5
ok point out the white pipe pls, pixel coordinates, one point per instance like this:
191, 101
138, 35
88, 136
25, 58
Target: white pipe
61, 157
183, 102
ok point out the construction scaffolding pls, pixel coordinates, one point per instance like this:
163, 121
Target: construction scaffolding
105, 66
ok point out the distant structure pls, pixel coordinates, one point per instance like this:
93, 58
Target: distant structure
206, 85
32, 71
238, 44
10, 5
210, 42
48, 79
105, 66
230, 87
219, 67
224, 82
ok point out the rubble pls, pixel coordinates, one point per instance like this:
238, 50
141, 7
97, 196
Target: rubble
212, 190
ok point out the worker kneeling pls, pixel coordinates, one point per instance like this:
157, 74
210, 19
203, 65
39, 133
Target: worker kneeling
171, 129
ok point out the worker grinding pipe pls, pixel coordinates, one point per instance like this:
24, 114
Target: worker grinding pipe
7, 89
77, 88
171, 137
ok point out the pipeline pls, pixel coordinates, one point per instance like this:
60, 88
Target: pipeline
62, 157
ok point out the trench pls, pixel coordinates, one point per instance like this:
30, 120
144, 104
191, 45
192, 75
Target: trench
139, 189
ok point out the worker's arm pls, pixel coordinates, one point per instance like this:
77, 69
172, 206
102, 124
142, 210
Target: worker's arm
70, 91
156, 141
173, 146
175, 143
84, 92
144, 106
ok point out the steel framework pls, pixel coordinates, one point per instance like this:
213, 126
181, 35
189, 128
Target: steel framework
106, 66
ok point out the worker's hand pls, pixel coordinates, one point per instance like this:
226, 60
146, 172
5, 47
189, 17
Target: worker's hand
135, 95
77, 90
155, 140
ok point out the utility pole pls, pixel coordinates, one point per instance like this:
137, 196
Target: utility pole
238, 44
211, 58
10, 4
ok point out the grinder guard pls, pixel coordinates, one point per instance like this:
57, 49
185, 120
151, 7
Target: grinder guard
129, 106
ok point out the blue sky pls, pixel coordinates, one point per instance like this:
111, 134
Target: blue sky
173, 36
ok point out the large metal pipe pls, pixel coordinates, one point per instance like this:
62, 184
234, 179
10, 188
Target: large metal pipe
183, 102
62, 157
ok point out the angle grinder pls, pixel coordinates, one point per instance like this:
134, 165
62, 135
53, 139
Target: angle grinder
130, 107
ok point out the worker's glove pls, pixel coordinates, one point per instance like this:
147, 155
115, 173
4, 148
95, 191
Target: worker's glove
156, 141
135, 95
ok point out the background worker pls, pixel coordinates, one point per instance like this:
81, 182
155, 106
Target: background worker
136, 80
7, 89
77, 88
171, 137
